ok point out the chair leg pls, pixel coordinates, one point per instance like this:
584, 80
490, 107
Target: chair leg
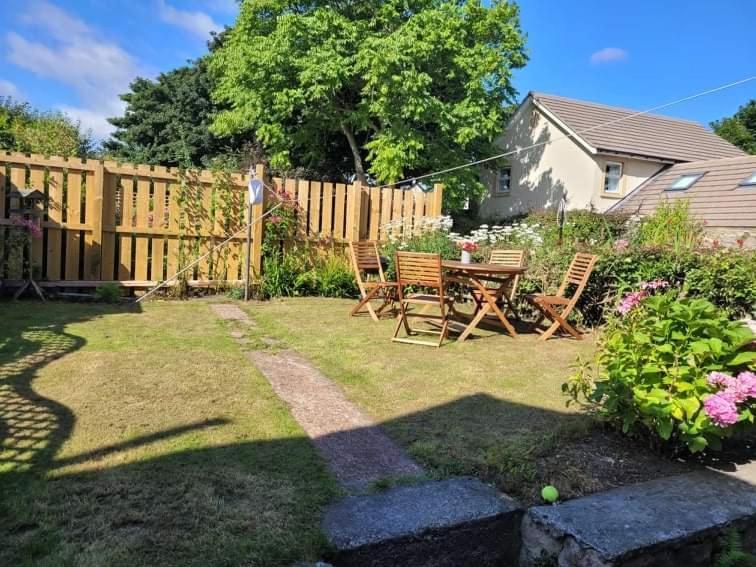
365, 302
401, 319
559, 321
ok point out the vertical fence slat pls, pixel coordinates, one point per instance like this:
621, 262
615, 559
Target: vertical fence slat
142, 222
108, 226
73, 212
385, 211
316, 195
37, 181
326, 222
54, 215
339, 212
303, 201
127, 221
375, 212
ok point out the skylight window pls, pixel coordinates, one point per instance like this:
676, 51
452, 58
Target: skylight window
749, 180
685, 181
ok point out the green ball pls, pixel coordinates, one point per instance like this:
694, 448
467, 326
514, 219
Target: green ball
550, 494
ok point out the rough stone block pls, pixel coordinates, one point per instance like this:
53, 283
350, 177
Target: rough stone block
669, 521
456, 522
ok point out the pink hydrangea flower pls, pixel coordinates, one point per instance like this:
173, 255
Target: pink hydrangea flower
747, 381
721, 409
630, 302
720, 379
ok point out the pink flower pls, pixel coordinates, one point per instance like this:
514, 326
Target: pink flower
721, 409
630, 301
747, 382
275, 219
621, 245
29, 225
720, 379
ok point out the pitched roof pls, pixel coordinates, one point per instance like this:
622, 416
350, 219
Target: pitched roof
718, 197
647, 135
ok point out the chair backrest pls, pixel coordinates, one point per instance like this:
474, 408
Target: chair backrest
513, 258
578, 273
417, 268
365, 257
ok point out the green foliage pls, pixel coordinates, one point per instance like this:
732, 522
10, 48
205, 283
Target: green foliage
308, 270
586, 227
671, 225
727, 278
650, 376
236, 293
433, 241
403, 86
167, 120
732, 553
108, 293
25, 129
739, 129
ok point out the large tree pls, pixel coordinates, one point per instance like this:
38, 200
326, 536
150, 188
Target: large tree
739, 129
25, 129
402, 86
167, 120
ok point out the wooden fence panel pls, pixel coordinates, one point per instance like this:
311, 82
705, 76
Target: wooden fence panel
135, 223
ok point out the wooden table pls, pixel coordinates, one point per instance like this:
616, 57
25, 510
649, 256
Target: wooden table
476, 276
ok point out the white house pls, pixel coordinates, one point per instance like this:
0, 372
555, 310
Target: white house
592, 158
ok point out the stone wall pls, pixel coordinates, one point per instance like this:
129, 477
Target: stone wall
731, 237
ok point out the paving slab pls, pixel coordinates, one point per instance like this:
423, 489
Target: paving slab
659, 519
230, 312
355, 448
459, 521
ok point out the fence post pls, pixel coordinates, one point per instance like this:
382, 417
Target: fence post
94, 215
354, 213
438, 199
258, 229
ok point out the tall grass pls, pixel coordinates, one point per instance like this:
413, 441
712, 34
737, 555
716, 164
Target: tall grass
672, 225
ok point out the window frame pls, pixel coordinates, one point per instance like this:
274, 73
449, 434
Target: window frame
749, 181
497, 188
697, 174
620, 179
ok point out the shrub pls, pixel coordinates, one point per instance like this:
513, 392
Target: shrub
432, 241
108, 293
670, 225
727, 278
654, 365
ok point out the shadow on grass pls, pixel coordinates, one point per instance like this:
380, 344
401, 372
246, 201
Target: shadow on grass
252, 503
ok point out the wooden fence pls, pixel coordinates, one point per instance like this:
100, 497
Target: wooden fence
138, 224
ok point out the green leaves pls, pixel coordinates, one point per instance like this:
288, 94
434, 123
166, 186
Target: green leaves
405, 87
653, 365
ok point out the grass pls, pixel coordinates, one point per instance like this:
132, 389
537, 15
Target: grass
491, 406
145, 437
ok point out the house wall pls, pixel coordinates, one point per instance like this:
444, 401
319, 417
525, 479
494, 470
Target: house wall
540, 176
634, 172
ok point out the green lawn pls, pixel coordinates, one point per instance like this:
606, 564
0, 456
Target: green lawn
491, 406
145, 437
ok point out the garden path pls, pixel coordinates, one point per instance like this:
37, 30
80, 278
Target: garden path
355, 448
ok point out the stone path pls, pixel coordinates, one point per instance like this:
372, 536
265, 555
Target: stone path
356, 450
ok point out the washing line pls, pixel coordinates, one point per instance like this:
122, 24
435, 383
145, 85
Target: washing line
417, 178
567, 136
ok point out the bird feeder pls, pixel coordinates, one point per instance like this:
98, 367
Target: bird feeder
26, 207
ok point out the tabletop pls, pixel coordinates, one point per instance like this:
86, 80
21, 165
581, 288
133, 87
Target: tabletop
481, 268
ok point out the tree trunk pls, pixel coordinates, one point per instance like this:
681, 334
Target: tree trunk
358, 167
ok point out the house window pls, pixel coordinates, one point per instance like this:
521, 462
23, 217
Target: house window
749, 180
685, 181
612, 177
504, 181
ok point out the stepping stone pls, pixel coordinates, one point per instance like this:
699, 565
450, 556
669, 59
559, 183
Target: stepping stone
230, 312
355, 448
456, 522
668, 521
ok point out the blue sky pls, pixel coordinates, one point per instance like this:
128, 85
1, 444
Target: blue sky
78, 55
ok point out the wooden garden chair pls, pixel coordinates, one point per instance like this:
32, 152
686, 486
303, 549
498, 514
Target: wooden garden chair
421, 270
557, 308
514, 258
366, 262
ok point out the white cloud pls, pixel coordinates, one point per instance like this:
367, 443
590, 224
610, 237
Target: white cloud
9, 89
609, 55
74, 54
196, 22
